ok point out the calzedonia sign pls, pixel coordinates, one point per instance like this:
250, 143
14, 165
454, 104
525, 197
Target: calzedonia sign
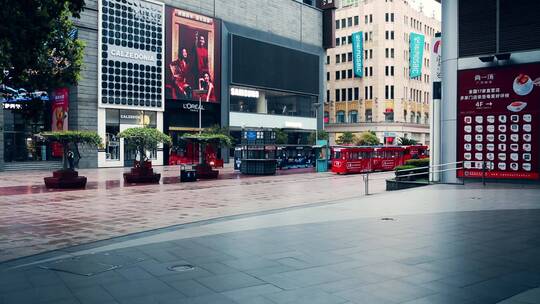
498, 121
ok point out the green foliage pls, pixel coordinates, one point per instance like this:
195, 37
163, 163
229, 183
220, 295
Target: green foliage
323, 135
346, 138
75, 137
404, 167
424, 162
282, 138
70, 141
404, 141
38, 45
219, 139
368, 139
144, 139
216, 129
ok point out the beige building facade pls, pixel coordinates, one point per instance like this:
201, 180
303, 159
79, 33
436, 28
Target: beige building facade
385, 99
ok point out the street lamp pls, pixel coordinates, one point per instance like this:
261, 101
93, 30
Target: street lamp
200, 93
317, 105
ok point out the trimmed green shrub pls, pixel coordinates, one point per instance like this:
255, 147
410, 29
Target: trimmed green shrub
70, 141
405, 167
144, 139
418, 162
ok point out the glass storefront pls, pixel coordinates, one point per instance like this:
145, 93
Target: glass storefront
22, 125
271, 102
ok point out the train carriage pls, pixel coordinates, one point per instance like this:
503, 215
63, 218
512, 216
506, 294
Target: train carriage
360, 159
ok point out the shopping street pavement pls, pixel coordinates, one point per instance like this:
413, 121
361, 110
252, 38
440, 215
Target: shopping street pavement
35, 220
436, 244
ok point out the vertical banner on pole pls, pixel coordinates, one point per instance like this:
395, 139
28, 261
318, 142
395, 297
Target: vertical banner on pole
416, 53
358, 53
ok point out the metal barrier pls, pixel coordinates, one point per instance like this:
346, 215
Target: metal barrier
430, 172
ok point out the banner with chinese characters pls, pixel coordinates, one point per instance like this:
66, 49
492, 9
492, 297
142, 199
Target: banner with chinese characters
416, 54
358, 53
498, 121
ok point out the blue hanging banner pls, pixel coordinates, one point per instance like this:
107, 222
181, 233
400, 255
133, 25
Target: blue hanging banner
416, 55
358, 53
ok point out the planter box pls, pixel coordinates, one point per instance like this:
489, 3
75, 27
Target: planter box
65, 179
393, 184
142, 174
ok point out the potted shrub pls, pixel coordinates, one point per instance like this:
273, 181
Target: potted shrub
142, 140
203, 169
68, 177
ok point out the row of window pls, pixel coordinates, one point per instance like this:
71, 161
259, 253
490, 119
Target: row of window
349, 94
414, 117
419, 26
347, 22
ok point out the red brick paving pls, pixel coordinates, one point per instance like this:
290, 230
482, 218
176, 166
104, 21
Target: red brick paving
34, 220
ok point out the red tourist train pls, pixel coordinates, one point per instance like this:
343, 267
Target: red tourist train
360, 159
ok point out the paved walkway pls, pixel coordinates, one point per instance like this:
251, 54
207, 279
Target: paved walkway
437, 244
34, 220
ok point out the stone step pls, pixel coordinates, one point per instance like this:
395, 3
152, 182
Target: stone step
23, 166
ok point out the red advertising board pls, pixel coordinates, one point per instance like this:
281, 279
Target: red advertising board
59, 121
498, 121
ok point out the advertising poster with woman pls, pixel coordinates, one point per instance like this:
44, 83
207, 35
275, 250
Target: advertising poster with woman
192, 64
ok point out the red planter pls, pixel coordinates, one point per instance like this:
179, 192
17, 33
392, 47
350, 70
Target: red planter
142, 174
65, 179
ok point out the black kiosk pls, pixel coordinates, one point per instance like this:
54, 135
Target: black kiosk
258, 152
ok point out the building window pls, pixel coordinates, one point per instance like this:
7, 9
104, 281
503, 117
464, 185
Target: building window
343, 94
343, 23
343, 40
337, 41
327, 95
387, 52
349, 56
386, 92
370, 92
353, 116
356, 93
369, 115
370, 18
386, 17
349, 94
343, 74
349, 73
366, 54
366, 92
370, 54
366, 37
418, 118
340, 117
356, 20
349, 21
366, 71
426, 118
366, 17
349, 39
337, 58
344, 57
327, 76
391, 17
392, 71
370, 71
405, 115
391, 53
337, 75
327, 59
337, 24
391, 92
391, 35
386, 71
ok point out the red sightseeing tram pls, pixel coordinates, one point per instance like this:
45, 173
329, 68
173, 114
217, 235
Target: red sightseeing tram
360, 159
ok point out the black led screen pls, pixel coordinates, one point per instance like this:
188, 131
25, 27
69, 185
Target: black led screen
266, 65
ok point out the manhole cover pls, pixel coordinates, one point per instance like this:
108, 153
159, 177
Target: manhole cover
91, 264
181, 268
387, 219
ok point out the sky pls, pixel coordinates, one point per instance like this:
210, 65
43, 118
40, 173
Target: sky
428, 7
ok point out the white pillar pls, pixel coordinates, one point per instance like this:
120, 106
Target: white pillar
448, 136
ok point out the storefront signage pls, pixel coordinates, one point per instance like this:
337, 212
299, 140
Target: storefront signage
192, 56
416, 55
498, 121
133, 56
358, 53
193, 107
436, 59
244, 93
130, 54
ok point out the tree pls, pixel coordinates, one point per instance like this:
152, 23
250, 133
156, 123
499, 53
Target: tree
282, 138
70, 141
38, 44
368, 139
144, 139
346, 138
323, 135
404, 141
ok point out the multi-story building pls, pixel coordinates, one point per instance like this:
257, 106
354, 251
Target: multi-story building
385, 99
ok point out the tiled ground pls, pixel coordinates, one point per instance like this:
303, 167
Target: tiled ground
33, 220
452, 257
